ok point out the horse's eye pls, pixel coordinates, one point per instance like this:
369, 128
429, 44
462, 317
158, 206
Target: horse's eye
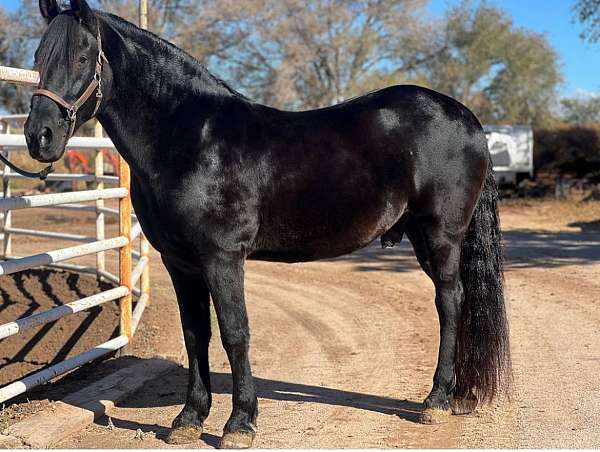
83, 59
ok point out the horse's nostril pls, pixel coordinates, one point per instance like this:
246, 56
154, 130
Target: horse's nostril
45, 137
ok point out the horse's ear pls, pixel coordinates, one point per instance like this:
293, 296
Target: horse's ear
48, 9
83, 11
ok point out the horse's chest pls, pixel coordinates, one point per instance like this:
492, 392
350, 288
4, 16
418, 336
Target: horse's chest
163, 229
163, 221
189, 222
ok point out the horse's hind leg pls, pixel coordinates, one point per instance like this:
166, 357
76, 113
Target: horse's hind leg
194, 309
438, 248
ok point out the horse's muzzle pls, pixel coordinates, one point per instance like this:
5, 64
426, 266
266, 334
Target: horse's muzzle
45, 143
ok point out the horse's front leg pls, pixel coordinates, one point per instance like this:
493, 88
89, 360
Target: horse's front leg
224, 273
194, 309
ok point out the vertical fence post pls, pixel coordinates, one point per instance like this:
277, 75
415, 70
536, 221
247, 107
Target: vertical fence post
145, 279
3, 129
144, 14
99, 171
7, 223
125, 303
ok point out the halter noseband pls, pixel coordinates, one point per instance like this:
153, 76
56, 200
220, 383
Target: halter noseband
94, 86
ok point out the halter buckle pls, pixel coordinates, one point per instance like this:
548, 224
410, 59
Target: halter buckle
72, 113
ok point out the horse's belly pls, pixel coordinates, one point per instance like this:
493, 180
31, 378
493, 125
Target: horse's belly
324, 236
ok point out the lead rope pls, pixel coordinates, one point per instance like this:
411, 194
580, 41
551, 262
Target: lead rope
42, 175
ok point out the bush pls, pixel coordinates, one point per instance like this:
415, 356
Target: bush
568, 149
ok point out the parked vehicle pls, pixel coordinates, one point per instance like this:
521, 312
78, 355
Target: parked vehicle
511, 147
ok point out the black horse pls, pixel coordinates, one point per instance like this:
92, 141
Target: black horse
218, 179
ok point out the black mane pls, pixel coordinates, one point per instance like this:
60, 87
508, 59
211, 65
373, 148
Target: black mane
128, 29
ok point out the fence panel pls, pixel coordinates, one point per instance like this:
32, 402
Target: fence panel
129, 231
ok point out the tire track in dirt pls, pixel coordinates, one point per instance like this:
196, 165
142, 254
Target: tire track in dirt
376, 329
338, 336
331, 345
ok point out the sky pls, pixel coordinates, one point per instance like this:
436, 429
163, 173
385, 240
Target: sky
580, 61
554, 18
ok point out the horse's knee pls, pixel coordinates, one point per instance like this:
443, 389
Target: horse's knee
235, 339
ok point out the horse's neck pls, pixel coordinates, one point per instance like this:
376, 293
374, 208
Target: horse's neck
151, 94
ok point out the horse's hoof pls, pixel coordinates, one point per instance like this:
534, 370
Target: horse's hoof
432, 416
185, 434
236, 440
463, 405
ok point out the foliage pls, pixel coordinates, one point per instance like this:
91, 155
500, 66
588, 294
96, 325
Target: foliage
588, 13
503, 73
581, 110
567, 147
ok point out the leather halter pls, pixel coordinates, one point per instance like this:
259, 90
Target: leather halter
94, 86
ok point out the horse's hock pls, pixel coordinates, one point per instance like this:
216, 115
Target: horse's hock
63, 304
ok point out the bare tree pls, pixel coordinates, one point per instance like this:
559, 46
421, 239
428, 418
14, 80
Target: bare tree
295, 53
16, 49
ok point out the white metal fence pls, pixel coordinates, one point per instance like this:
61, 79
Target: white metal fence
133, 282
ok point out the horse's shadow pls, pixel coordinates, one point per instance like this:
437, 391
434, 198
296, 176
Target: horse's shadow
524, 248
169, 390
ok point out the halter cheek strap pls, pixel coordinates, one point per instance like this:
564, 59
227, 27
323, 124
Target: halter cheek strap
94, 86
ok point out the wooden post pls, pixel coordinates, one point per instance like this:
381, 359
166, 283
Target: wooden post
125, 252
144, 14
7, 248
145, 279
99, 171
3, 129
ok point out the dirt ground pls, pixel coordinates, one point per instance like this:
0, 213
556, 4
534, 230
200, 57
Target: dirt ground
38, 290
343, 351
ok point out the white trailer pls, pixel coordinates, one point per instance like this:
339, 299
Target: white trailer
511, 148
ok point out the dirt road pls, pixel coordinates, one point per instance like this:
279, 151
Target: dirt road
343, 351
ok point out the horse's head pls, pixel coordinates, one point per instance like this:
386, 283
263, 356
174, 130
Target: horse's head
72, 78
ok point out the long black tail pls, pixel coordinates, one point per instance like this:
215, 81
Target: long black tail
483, 364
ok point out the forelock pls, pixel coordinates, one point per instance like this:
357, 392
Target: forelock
59, 41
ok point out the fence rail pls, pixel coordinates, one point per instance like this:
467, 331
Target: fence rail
69, 177
12, 328
132, 281
17, 142
53, 199
38, 378
19, 76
